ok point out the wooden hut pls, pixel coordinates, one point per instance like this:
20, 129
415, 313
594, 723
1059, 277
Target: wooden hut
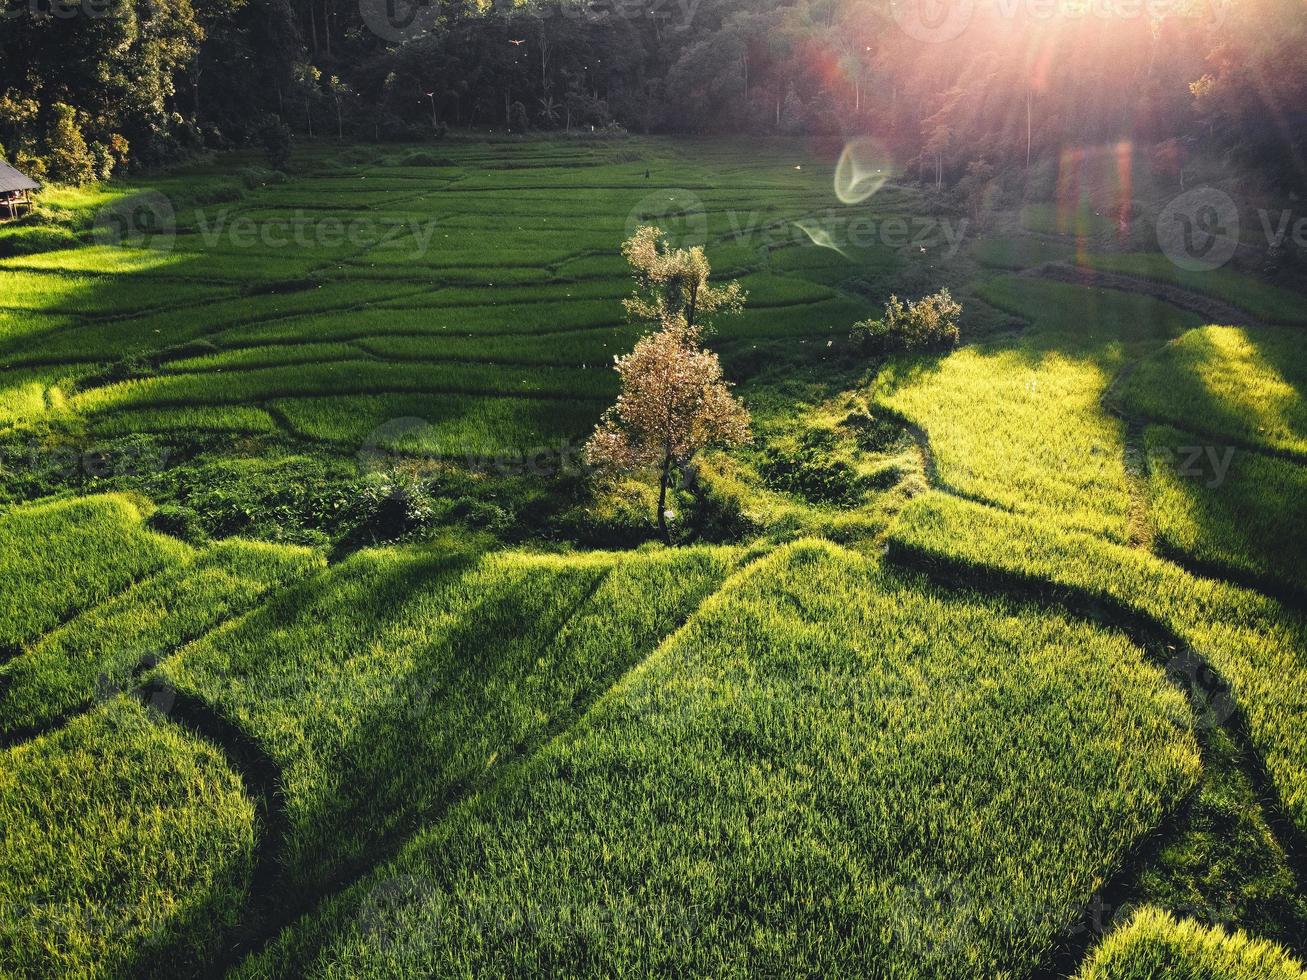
15, 191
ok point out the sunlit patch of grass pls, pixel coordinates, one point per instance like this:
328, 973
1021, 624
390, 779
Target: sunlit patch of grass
58, 292
124, 840
1019, 421
829, 771
1154, 944
59, 558
97, 652
1242, 383
1253, 642
1228, 507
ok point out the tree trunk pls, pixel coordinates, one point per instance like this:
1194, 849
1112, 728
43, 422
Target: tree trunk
662, 499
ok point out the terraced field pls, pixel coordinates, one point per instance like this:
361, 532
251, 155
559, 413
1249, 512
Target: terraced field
320, 656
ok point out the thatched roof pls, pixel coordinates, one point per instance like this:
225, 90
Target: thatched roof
12, 180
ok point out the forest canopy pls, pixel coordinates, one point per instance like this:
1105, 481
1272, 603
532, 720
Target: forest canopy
87, 87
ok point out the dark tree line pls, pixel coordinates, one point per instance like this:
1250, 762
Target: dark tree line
89, 85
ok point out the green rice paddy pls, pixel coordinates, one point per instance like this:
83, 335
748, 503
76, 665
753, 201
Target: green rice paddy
320, 656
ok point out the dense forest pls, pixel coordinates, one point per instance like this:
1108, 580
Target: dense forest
87, 87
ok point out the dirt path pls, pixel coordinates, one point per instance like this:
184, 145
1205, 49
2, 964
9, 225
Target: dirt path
1210, 309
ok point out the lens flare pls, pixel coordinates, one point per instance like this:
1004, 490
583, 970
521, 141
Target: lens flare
862, 170
820, 237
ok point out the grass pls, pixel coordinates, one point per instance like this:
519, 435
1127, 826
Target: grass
1255, 644
1154, 944
98, 652
1019, 422
1230, 509
1018, 253
384, 687
448, 426
60, 558
127, 848
1238, 383
1263, 300
589, 762
829, 771
344, 378
1083, 221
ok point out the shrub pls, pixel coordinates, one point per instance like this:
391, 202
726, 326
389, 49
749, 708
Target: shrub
930, 323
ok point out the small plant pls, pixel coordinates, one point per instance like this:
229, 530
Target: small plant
930, 323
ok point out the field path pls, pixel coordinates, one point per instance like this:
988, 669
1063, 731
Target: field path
1212, 310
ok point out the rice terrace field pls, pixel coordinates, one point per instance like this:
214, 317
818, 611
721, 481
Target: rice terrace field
328, 649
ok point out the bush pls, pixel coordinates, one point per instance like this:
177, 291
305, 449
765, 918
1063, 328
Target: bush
930, 323
178, 521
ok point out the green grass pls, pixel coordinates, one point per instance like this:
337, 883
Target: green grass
1242, 511
1239, 383
1264, 301
127, 847
62, 293
449, 426
403, 675
1083, 221
829, 772
1253, 642
1018, 253
60, 558
98, 652
345, 378
1019, 422
1154, 944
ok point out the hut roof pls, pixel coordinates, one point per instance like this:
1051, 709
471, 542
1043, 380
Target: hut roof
11, 180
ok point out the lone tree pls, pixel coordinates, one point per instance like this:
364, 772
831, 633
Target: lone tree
673, 283
674, 401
